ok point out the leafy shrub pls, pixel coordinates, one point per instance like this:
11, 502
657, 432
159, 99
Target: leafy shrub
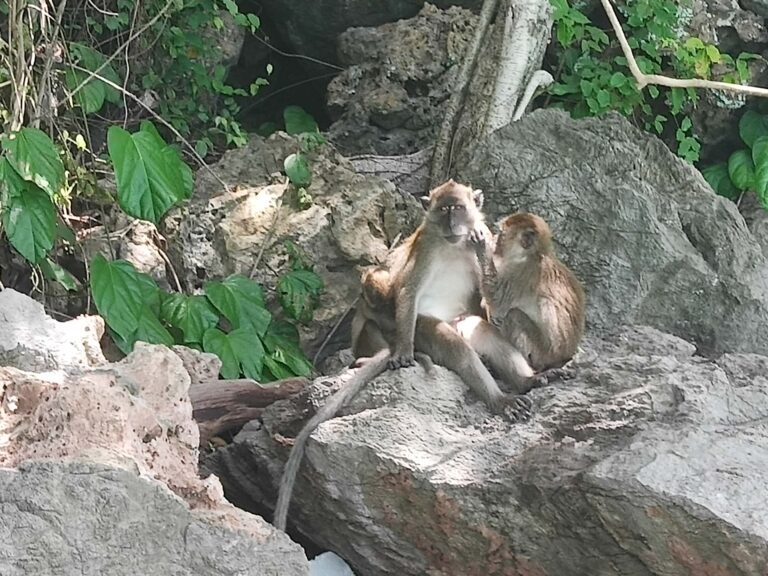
230, 319
593, 76
747, 169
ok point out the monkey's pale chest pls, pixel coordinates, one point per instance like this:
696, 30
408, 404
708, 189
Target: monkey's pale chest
448, 289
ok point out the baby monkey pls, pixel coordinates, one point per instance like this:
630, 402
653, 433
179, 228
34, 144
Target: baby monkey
536, 305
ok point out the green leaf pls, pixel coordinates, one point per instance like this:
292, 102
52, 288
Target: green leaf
751, 127
760, 160
717, 176
297, 120
618, 79
240, 351
282, 344
28, 214
603, 98
150, 179
686, 124
53, 271
33, 155
91, 96
92, 59
121, 293
742, 170
298, 291
713, 53
151, 330
193, 315
241, 302
297, 169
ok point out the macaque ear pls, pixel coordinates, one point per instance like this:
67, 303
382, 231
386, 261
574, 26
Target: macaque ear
527, 238
425, 202
478, 196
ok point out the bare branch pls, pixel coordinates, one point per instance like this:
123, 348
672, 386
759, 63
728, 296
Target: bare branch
644, 80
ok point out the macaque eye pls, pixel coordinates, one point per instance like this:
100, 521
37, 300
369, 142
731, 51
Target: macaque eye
459, 207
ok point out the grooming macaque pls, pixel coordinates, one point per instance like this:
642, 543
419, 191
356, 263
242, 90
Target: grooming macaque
535, 303
405, 309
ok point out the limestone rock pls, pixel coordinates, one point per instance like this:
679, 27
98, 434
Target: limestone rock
98, 462
391, 97
30, 340
644, 232
651, 461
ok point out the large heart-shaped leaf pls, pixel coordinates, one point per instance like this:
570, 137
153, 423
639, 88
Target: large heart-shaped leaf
149, 179
28, 214
298, 291
285, 357
717, 176
241, 302
240, 351
298, 121
33, 155
742, 170
121, 293
751, 127
193, 315
297, 169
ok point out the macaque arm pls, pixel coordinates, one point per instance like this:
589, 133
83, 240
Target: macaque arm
405, 320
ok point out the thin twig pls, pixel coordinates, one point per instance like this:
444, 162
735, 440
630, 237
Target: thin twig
333, 331
301, 56
644, 79
163, 121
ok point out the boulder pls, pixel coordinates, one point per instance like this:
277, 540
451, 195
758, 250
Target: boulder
651, 461
391, 98
31, 340
98, 463
644, 232
312, 28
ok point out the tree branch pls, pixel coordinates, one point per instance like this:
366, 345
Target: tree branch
645, 79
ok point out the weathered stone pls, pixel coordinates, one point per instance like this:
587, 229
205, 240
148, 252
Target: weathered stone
30, 340
391, 98
62, 519
311, 27
98, 463
651, 461
642, 229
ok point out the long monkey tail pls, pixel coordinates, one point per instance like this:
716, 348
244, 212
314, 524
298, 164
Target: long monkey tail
369, 370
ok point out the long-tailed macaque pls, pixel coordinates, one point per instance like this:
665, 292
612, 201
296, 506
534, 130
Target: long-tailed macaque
431, 278
535, 303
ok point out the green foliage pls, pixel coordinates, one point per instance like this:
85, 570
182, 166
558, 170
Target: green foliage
151, 177
31, 175
594, 77
230, 320
747, 169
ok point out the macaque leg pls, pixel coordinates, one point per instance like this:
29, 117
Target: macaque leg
447, 348
508, 361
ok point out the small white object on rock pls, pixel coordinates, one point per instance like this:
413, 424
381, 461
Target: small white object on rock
329, 564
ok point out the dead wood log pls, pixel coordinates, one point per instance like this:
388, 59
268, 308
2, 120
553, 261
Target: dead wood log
222, 405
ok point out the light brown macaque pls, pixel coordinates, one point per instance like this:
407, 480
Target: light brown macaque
405, 309
535, 303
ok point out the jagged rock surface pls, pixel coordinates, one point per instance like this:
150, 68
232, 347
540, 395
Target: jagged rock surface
642, 229
650, 462
391, 97
98, 463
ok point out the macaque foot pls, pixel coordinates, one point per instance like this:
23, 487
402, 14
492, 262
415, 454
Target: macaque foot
551, 375
401, 361
518, 408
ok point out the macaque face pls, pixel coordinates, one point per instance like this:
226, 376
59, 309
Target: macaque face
522, 236
454, 209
